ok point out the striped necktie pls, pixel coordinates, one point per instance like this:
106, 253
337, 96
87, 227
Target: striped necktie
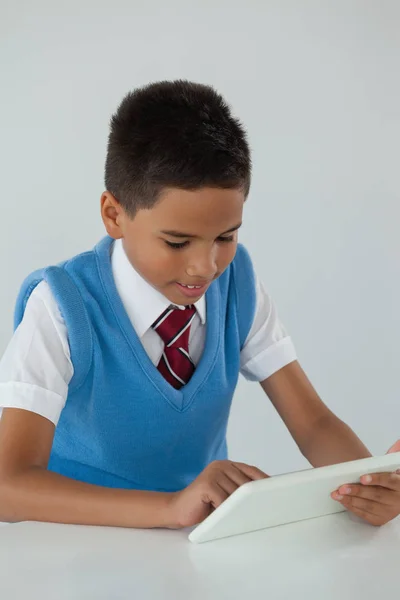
173, 326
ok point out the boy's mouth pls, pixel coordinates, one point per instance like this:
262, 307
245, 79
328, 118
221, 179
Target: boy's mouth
192, 291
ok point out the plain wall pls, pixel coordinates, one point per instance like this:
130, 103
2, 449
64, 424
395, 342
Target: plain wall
317, 84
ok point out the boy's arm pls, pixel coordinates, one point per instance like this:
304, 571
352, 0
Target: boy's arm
321, 436
29, 492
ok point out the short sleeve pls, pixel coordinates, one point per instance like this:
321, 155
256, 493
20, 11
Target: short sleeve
36, 368
268, 347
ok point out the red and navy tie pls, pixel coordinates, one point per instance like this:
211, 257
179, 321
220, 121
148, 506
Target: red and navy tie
173, 326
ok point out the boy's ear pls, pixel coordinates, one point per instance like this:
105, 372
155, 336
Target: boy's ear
113, 215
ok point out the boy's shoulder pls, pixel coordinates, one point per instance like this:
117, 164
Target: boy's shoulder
63, 285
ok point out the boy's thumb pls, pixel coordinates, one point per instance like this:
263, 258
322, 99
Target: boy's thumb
394, 448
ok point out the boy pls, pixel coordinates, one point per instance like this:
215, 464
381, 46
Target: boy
117, 384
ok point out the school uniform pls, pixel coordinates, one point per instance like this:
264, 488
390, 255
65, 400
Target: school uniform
86, 355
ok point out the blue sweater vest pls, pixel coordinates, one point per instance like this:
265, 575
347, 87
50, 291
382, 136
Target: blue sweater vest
123, 425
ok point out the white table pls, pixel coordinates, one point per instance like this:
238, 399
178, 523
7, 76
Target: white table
331, 558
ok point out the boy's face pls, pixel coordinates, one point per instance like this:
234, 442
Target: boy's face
187, 239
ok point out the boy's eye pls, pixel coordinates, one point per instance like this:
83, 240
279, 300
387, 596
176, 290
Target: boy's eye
176, 245
226, 239
179, 245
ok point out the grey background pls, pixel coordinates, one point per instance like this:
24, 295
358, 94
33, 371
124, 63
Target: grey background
317, 84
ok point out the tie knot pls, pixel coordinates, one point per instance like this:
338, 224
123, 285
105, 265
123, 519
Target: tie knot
173, 326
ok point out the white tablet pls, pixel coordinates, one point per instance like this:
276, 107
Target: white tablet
287, 498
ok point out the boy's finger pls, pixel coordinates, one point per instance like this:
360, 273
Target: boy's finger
371, 518
216, 496
390, 481
234, 473
251, 471
368, 506
374, 492
226, 483
394, 448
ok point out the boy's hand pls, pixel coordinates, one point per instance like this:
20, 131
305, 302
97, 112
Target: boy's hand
377, 499
218, 481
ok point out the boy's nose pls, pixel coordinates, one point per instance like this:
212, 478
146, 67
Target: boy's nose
204, 268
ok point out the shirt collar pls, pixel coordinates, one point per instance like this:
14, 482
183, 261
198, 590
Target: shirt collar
143, 303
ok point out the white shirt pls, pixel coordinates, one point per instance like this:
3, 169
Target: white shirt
36, 367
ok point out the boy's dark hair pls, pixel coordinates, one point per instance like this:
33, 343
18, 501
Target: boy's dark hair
174, 134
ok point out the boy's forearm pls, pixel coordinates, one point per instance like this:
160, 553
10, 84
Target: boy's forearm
333, 442
41, 495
